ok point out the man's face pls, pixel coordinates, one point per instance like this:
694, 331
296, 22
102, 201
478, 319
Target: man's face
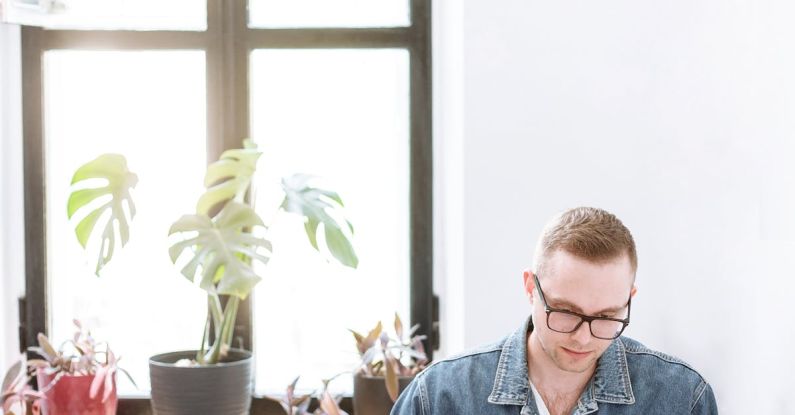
589, 288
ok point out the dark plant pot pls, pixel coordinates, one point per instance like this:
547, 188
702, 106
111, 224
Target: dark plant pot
223, 388
370, 396
71, 395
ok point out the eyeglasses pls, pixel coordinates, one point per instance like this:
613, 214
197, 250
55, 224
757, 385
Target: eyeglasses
565, 321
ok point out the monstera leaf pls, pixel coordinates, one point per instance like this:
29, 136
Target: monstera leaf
313, 203
221, 249
229, 177
113, 169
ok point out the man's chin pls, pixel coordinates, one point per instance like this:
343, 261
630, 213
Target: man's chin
566, 364
578, 368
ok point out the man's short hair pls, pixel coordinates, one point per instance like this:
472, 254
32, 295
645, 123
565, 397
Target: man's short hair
588, 233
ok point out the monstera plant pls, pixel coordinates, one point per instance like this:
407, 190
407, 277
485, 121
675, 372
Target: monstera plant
216, 248
221, 241
219, 238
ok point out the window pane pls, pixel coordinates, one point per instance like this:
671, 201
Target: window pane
341, 115
149, 106
328, 13
109, 14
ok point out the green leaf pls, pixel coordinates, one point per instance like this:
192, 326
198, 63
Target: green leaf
229, 177
237, 215
222, 249
84, 228
221, 192
314, 205
107, 247
311, 232
82, 197
192, 266
112, 168
223, 169
189, 223
341, 247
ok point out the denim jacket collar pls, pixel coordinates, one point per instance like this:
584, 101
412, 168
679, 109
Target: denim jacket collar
610, 383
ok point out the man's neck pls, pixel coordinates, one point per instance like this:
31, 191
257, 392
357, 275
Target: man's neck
553, 383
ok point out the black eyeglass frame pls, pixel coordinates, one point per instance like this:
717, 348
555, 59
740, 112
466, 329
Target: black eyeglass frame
583, 318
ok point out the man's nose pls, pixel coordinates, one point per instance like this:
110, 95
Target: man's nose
583, 334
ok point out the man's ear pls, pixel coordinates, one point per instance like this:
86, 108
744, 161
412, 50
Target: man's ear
633, 291
529, 286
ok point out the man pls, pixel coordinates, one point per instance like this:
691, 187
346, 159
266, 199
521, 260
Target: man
569, 357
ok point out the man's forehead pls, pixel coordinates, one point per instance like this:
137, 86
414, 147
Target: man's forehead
563, 265
585, 286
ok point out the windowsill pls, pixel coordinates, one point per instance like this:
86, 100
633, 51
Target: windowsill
260, 405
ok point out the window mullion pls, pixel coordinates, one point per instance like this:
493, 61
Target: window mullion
227, 104
424, 305
33, 149
122, 39
384, 37
215, 69
227, 76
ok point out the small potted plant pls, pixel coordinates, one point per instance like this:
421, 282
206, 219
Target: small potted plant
299, 404
388, 365
77, 378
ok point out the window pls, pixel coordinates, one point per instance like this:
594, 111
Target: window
343, 94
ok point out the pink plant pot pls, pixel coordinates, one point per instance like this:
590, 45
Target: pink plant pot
71, 395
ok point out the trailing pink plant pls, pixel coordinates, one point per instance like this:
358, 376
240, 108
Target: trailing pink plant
79, 356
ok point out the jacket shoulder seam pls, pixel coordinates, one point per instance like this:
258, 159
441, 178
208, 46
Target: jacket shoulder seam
465, 355
453, 358
664, 357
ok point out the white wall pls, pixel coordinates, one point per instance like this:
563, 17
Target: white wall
12, 262
448, 146
678, 116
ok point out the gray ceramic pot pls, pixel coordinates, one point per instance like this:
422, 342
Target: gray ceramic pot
223, 388
370, 396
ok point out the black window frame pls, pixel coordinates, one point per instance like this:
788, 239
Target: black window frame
227, 42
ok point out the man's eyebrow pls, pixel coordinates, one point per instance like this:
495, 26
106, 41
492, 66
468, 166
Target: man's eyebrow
558, 303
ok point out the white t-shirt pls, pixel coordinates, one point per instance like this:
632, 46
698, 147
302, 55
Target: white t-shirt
542, 408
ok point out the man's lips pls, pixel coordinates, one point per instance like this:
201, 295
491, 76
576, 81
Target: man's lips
575, 354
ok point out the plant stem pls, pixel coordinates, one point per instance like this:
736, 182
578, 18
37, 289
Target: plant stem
231, 311
214, 304
200, 353
224, 337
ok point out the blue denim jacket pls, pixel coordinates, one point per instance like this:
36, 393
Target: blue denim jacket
629, 379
